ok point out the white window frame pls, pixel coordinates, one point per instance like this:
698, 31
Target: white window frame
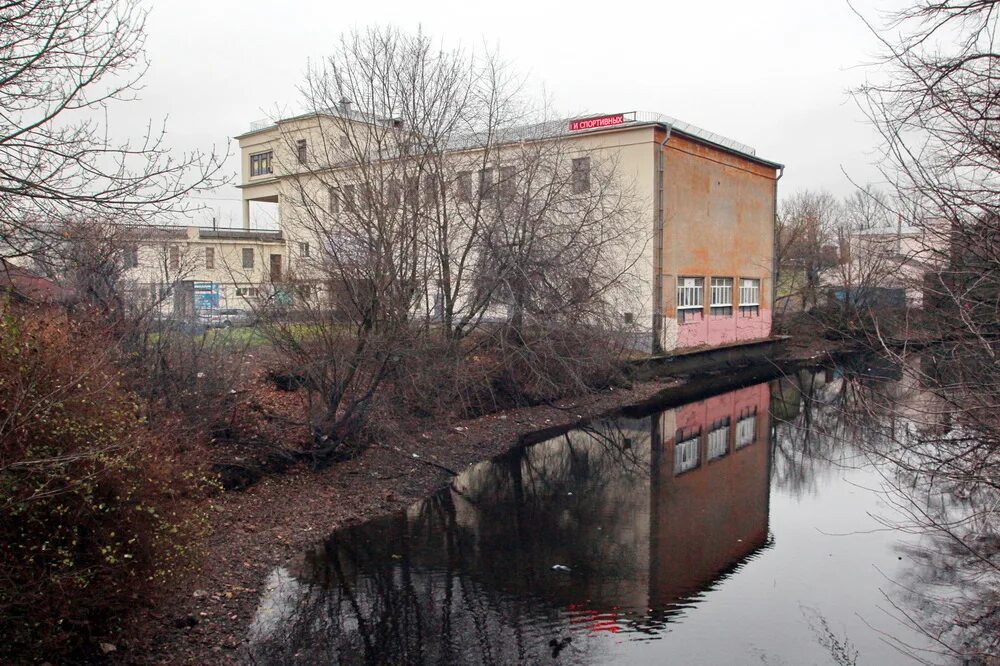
686, 456
746, 430
749, 291
718, 441
690, 293
722, 294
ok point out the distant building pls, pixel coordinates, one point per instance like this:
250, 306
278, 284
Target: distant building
706, 275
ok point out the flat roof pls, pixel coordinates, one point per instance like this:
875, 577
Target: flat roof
560, 127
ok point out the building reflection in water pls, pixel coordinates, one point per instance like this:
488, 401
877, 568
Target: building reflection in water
611, 529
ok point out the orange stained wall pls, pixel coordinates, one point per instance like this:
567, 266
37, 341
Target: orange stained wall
706, 519
718, 217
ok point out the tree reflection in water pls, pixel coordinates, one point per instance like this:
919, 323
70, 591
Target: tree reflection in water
649, 514
467, 575
934, 446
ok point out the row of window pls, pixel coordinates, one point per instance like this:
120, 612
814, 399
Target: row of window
261, 163
247, 256
691, 296
717, 440
491, 184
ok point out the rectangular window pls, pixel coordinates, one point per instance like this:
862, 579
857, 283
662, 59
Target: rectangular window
334, 200
260, 164
431, 189
209, 258
348, 197
175, 258
304, 249
248, 257
690, 297
301, 152
718, 439
749, 296
411, 192
581, 175
132, 256
746, 429
686, 454
722, 296
464, 186
486, 188
508, 183
275, 267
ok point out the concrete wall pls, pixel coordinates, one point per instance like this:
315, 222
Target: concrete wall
718, 221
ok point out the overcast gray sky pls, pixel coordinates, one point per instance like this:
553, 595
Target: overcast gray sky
771, 73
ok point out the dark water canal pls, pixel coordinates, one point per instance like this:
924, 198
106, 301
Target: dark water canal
751, 526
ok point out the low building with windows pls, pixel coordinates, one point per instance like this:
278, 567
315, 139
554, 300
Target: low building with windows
703, 274
187, 270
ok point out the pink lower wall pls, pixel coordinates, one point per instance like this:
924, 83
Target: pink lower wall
714, 330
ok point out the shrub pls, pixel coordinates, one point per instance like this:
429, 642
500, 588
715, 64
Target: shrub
86, 525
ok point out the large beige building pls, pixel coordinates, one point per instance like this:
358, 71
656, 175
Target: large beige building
703, 270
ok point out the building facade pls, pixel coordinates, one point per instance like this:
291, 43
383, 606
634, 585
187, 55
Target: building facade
703, 272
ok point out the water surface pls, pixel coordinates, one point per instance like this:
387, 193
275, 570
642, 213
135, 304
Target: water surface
747, 527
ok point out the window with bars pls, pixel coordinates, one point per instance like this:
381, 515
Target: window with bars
209, 258
260, 164
303, 249
718, 439
746, 429
722, 296
690, 297
686, 455
301, 151
749, 296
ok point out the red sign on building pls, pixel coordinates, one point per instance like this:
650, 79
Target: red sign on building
598, 122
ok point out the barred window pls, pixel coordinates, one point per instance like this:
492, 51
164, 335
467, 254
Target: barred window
686, 454
690, 297
749, 296
301, 151
722, 296
746, 429
718, 439
209, 258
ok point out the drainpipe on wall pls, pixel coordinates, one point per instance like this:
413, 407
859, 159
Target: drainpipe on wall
658, 226
774, 252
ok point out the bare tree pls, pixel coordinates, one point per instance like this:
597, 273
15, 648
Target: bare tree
64, 62
934, 101
453, 222
806, 234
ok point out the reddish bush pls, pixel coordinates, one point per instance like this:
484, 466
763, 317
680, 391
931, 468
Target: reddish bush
86, 515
